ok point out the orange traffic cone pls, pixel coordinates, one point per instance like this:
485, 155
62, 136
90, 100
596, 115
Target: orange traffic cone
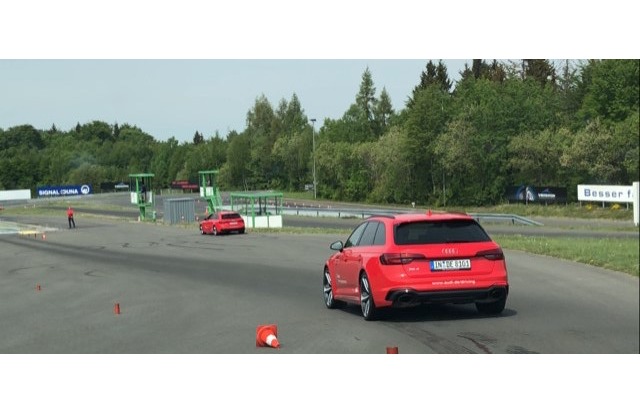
38, 287
44, 236
392, 349
266, 335
116, 308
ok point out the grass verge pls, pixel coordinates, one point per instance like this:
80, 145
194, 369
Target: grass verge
616, 254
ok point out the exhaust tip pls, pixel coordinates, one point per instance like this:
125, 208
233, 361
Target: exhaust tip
497, 293
406, 298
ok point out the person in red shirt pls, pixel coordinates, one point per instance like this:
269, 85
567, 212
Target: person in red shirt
70, 218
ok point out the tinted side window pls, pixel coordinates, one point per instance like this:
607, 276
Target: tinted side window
380, 238
444, 231
369, 234
355, 235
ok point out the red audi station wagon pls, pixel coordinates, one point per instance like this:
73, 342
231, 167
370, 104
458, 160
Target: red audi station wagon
405, 260
222, 222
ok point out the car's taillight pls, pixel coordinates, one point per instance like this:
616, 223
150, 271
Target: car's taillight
491, 254
399, 258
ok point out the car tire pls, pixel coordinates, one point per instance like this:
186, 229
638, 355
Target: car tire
214, 230
327, 291
492, 308
201, 230
367, 305
241, 231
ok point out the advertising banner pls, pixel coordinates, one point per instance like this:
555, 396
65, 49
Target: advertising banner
532, 194
69, 190
184, 184
605, 193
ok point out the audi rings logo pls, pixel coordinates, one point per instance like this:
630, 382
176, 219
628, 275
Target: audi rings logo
85, 189
449, 251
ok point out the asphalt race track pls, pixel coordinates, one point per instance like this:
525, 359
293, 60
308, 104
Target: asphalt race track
180, 292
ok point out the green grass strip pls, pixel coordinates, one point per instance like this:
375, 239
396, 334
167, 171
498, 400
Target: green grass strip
616, 254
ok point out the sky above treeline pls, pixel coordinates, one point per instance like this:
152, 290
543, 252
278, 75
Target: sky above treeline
200, 67
174, 98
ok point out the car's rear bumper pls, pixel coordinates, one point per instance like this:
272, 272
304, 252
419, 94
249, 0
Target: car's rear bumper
408, 297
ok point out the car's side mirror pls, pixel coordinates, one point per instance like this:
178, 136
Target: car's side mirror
338, 245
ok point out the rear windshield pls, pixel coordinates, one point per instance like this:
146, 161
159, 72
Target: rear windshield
231, 216
444, 231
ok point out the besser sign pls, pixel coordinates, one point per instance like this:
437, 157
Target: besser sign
600, 193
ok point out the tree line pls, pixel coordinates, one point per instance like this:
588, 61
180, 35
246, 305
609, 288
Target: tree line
501, 124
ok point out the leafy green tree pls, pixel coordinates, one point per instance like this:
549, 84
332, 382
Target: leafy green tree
494, 71
262, 130
366, 97
383, 113
292, 146
235, 172
353, 127
569, 95
462, 153
612, 90
425, 120
97, 131
216, 151
343, 170
540, 70
87, 174
534, 157
198, 138
293, 154
432, 75
628, 132
596, 155
392, 173
21, 136
291, 117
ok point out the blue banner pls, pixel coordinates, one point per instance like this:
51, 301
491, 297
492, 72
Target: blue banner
73, 190
531, 194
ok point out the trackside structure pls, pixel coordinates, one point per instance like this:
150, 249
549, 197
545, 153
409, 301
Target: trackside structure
141, 185
258, 209
209, 190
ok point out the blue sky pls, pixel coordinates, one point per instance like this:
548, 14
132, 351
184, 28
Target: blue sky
168, 98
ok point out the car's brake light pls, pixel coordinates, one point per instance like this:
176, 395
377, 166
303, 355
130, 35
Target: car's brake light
399, 258
491, 254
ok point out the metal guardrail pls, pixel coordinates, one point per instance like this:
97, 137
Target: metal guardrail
365, 213
499, 217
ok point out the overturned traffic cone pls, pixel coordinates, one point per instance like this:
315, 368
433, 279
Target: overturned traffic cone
392, 349
266, 335
116, 308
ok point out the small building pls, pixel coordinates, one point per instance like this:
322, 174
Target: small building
180, 210
261, 209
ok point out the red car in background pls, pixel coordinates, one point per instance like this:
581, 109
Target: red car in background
220, 222
406, 260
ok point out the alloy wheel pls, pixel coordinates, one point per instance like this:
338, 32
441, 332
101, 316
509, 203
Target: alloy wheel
328, 291
367, 305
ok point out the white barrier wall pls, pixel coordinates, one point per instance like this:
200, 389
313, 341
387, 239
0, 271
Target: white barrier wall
22, 194
263, 221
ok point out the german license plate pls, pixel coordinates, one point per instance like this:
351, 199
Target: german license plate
459, 264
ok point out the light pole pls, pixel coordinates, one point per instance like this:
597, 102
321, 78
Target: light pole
313, 138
